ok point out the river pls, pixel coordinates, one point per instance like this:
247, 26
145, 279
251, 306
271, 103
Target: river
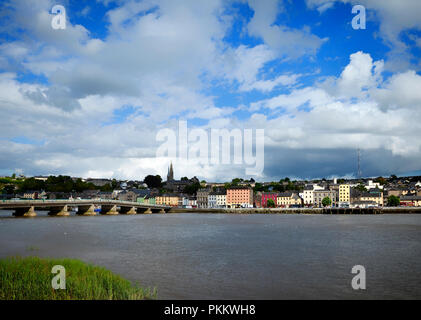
233, 256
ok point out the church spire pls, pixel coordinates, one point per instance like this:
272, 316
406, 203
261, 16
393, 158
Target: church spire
170, 175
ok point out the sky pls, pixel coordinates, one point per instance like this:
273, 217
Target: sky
90, 99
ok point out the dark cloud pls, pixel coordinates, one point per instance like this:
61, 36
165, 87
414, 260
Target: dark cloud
320, 163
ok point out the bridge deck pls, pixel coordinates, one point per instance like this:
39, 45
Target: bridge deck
13, 204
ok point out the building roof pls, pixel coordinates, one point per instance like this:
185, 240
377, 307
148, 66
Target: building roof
285, 194
370, 195
239, 187
410, 198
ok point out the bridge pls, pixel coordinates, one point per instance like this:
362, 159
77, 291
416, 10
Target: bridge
27, 208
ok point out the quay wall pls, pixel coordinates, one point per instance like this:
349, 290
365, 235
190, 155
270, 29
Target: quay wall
388, 210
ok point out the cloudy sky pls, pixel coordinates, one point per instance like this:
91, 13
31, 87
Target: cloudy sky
90, 99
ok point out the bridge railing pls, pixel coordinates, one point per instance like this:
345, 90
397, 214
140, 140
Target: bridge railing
78, 201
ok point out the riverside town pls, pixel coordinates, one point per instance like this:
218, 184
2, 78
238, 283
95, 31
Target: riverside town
186, 194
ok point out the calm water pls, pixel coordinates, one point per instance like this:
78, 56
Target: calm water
215, 256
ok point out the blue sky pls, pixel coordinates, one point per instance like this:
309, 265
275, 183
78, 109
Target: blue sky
89, 100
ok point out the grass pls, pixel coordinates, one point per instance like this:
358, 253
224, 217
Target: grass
30, 279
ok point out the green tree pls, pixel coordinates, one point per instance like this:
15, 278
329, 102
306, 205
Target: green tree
393, 201
153, 181
192, 188
9, 189
236, 181
31, 184
106, 188
380, 180
271, 203
361, 188
326, 202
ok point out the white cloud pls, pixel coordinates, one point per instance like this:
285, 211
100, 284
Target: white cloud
287, 42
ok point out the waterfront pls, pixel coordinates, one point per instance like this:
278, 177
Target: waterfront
224, 256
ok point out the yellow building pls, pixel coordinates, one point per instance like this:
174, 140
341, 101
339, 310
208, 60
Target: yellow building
375, 197
288, 199
167, 200
344, 194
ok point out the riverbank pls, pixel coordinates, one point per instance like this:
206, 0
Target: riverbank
386, 210
30, 279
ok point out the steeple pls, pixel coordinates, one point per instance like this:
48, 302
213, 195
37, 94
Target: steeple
170, 175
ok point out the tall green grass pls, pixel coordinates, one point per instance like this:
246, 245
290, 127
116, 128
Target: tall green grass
30, 279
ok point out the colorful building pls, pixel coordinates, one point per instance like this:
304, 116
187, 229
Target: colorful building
269, 195
344, 195
240, 197
376, 197
167, 199
288, 200
410, 201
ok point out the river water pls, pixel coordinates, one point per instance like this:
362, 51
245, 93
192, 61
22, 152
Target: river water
226, 256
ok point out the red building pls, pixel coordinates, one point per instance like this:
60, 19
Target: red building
268, 195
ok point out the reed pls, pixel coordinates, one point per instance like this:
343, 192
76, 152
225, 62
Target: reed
30, 279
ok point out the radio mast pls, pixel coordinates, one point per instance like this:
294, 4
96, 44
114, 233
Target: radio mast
359, 174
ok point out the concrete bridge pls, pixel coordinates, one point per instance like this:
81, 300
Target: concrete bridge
27, 208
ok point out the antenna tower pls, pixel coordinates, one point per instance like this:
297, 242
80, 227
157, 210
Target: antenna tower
359, 174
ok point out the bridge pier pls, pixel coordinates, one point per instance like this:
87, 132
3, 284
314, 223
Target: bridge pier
109, 209
128, 210
144, 210
59, 211
88, 210
25, 212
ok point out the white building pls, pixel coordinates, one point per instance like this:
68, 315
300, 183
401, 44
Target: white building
212, 200
217, 200
373, 185
307, 195
221, 200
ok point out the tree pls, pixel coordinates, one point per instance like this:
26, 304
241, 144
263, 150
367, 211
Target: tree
236, 181
153, 181
380, 180
106, 188
393, 201
192, 188
361, 188
9, 189
184, 179
393, 177
271, 203
326, 202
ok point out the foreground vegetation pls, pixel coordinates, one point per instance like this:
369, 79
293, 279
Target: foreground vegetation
30, 279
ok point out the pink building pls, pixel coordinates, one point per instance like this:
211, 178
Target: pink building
269, 195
